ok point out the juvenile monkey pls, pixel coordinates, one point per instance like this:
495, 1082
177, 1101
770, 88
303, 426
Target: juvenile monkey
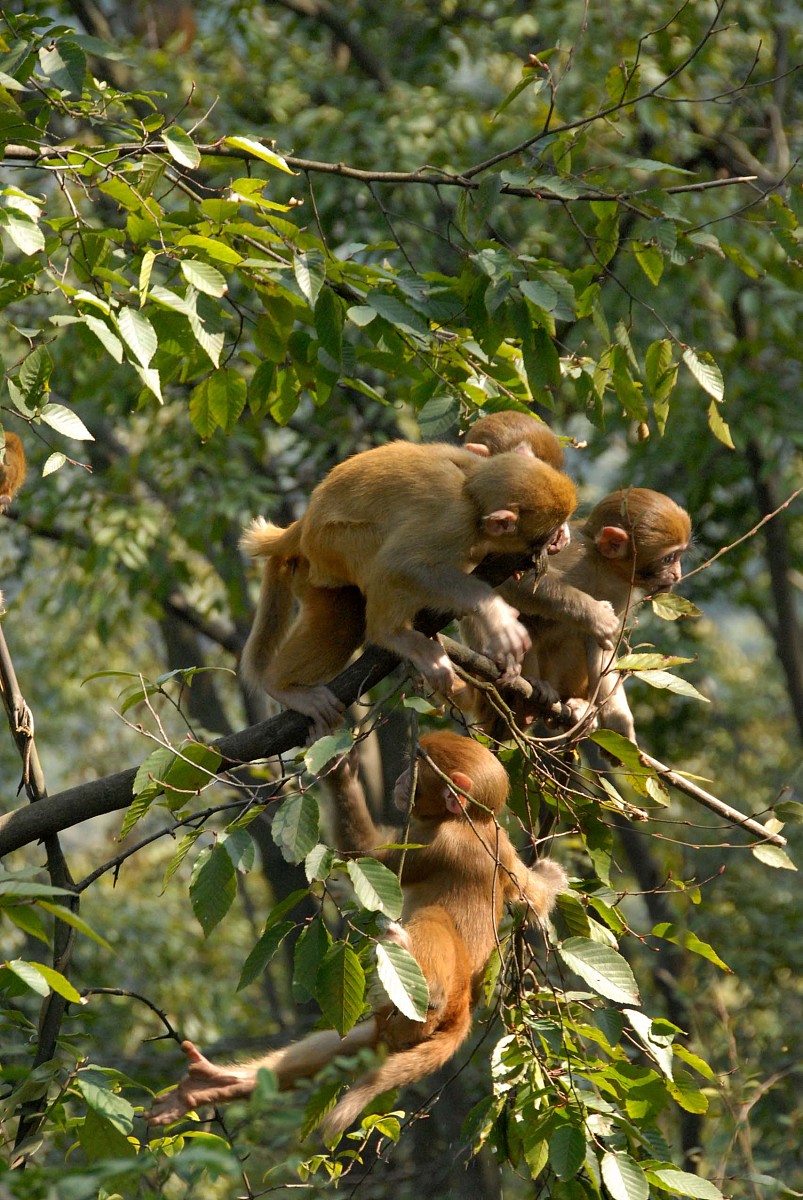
454, 887
630, 546
509, 430
12, 470
397, 529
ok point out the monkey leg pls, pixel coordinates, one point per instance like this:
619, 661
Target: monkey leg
328, 629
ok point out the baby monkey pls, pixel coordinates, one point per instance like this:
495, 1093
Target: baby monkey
12, 470
454, 886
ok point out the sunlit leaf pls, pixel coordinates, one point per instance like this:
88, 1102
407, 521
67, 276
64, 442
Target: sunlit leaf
602, 968
402, 979
377, 888
181, 147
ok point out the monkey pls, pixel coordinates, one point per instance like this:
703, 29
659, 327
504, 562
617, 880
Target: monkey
630, 546
499, 432
454, 884
403, 525
12, 470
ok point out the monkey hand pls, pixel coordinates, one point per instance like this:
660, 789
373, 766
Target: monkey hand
582, 713
604, 625
204, 1083
505, 639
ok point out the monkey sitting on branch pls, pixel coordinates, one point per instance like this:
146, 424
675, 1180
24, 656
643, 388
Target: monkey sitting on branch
388, 533
455, 884
630, 546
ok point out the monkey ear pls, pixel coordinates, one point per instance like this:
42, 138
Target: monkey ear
455, 803
501, 520
478, 448
613, 542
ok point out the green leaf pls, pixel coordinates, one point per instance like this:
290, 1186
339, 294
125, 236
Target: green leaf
690, 941
239, 845
138, 334
657, 1044
773, 856
259, 151
789, 810
602, 968
438, 416
651, 261
318, 863
27, 919
649, 662
377, 888
204, 277
65, 421
263, 952
403, 980
687, 1095
719, 427
42, 979
64, 64
313, 943
71, 918
295, 826
226, 395
623, 1177
400, 315
705, 371
665, 681
103, 333
114, 1108
213, 887
340, 987
567, 1151
181, 147
309, 269
329, 323
333, 745
683, 1183
191, 770
99, 1139
24, 233
670, 607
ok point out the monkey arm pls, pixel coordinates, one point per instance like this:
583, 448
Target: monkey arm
538, 887
355, 828
552, 597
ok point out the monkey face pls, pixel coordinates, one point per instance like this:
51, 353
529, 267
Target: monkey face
662, 575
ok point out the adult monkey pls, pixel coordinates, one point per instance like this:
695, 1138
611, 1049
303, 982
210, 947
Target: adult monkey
630, 546
400, 528
455, 886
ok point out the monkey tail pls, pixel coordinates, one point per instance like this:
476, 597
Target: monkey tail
263, 539
402, 1067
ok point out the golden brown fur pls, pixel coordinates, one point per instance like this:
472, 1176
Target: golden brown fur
454, 890
12, 470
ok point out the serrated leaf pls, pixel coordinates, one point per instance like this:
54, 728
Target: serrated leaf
181, 852
567, 1151
403, 980
318, 863
52, 463
114, 1108
690, 941
773, 856
295, 826
321, 752
239, 845
657, 1045
672, 683
651, 261
35, 372
64, 64
687, 1095
329, 324
719, 427
71, 918
670, 607
259, 151
399, 314
789, 810
204, 277
623, 1177
26, 918
340, 987
24, 233
213, 887
313, 943
263, 952
648, 662
620, 747
603, 969
65, 421
103, 333
438, 417
191, 770
683, 1183
181, 147
310, 271
376, 887
705, 371
226, 394
138, 334
43, 979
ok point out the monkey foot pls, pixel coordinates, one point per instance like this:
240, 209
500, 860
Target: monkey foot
316, 702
